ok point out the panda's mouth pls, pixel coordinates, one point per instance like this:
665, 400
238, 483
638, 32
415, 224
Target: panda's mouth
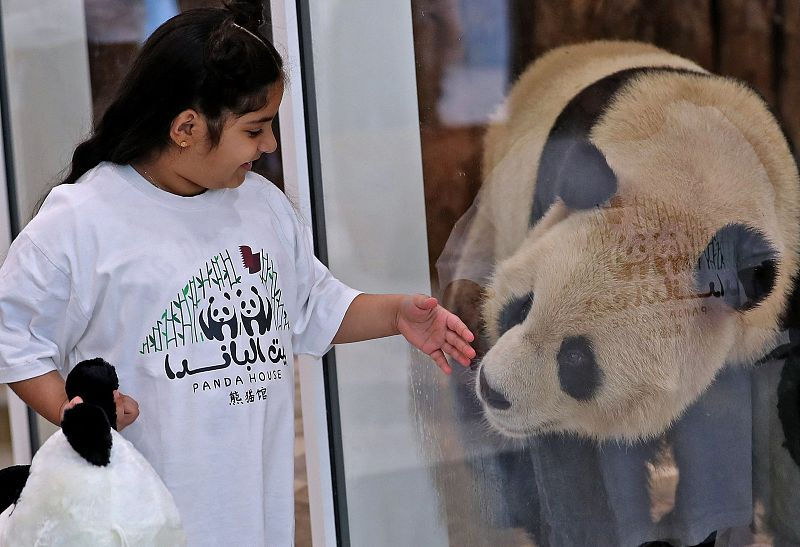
520, 432
517, 433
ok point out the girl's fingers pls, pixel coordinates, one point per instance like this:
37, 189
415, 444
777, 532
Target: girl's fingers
455, 354
130, 406
425, 302
127, 410
75, 401
457, 325
72, 403
441, 361
460, 347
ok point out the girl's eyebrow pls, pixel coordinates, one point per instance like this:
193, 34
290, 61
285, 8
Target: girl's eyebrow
262, 120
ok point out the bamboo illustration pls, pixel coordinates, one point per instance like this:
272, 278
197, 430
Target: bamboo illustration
179, 324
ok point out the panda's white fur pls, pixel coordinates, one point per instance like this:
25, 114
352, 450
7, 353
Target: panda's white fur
692, 154
67, 501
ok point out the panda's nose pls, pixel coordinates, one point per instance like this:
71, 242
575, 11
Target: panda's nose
493, 398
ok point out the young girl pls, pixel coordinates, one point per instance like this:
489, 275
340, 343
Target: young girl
164, 254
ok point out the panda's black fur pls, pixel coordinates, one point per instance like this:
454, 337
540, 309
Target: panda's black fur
568, 154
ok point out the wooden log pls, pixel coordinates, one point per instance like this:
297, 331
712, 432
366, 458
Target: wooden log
451, 169
746, 43
539, 25
437, 42
684, 28
789, 82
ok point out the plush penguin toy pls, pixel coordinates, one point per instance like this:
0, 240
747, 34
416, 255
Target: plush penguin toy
87, 485
642, 217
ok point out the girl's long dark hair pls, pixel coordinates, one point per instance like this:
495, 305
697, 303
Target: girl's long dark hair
211, 59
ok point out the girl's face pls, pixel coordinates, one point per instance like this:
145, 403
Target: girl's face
243, 140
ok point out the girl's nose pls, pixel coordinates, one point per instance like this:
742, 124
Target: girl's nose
268, 145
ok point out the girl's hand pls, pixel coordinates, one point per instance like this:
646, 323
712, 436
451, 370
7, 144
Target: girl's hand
434, 330
127, 409
66, 405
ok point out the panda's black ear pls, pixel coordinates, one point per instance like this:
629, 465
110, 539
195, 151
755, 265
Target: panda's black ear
94, 381
585, 180
738, 265
88, 431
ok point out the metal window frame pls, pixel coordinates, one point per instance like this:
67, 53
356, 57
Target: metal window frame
291, 30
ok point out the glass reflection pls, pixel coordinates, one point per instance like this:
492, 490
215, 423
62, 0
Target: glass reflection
661, 294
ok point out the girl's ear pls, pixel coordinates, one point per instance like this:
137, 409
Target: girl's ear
186, 127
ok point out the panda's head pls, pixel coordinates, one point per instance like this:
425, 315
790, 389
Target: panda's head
617, 312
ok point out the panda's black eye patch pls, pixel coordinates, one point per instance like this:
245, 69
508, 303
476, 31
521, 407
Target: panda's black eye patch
515, 312
578, 372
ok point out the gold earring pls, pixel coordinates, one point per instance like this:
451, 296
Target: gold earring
184, 144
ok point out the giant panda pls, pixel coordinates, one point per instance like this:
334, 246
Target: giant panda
87, 485
645, 233
631, 255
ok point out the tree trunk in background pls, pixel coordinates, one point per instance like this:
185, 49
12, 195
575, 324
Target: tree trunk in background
450, 155
681, 27
789, 83
746, 43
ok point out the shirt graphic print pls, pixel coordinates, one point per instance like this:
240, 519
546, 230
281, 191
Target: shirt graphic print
233, 303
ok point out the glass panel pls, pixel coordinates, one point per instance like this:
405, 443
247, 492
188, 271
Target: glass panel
624, 240
374, 210
590, 351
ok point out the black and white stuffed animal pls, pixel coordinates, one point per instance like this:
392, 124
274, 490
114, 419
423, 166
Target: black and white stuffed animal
87, 485
642, 215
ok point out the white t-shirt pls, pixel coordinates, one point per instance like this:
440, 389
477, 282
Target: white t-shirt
200, 303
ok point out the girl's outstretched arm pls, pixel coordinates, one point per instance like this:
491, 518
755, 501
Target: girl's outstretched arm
419, 318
